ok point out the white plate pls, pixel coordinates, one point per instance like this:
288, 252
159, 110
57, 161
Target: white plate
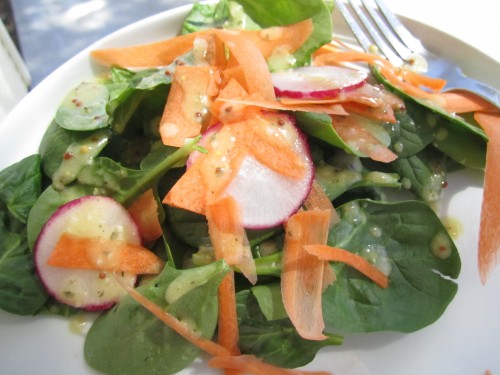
464, 341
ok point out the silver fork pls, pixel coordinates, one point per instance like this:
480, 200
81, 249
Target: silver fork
374, 24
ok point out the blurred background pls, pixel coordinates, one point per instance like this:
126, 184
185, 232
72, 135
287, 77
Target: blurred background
49, 32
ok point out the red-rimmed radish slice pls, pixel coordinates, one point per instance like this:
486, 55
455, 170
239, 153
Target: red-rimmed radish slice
319, 82
266, 197
90, 216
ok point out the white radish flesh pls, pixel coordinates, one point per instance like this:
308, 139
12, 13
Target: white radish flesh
90, 216
268, 198
321, 82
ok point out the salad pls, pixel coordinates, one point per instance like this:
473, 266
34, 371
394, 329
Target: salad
319, 166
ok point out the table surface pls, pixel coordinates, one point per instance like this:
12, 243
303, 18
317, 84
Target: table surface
52, 31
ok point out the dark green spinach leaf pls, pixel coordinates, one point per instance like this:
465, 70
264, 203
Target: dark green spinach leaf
128, 339
21, 292
275, 341
408, 241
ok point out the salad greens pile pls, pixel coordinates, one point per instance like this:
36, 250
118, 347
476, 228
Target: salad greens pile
124, 157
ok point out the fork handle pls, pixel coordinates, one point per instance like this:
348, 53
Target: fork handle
479, 88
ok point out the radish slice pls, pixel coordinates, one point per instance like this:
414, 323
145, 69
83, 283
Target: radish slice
267, 198
319, 82
91, 216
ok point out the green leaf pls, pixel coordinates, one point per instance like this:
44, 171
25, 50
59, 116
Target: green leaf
207, 15
413, 130
406, 240
275, 341
459, 143
128, 339
21, 292
20, 186
84, 108
270, 302
319, 126
423, 173
345, 172
453, 135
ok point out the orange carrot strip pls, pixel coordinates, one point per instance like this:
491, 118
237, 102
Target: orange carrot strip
226, 110
378, 113
249, 364
73, 251
252, 62
489, 233
228, 236
234, 73
334, 254
147, 55
275, 153
179, 327
306, 106
280, 40
416, 79
227, 331
302, 274
144, 212
386, 69
187, 103
317, 199
189, 191
464, 101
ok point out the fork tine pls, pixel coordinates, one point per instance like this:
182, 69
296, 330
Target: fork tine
406, 37
387, 30
353, 24
374, 38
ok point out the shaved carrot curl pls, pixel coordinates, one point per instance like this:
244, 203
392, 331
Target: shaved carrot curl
395, 75
335, 254
464, 101
303, 275
103, 254
489, 234
144, 211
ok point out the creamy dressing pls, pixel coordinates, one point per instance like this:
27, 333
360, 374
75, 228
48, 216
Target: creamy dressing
441, 245
353, 213
377, 255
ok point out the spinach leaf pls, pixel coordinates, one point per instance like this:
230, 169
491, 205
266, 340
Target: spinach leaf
344, 172
208, 15
84, 107
462, 141
460, 144
128, 339
423, 173
64, 152
408, 241
270, 302
319, 126
21, 292
413, 130
275, 341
